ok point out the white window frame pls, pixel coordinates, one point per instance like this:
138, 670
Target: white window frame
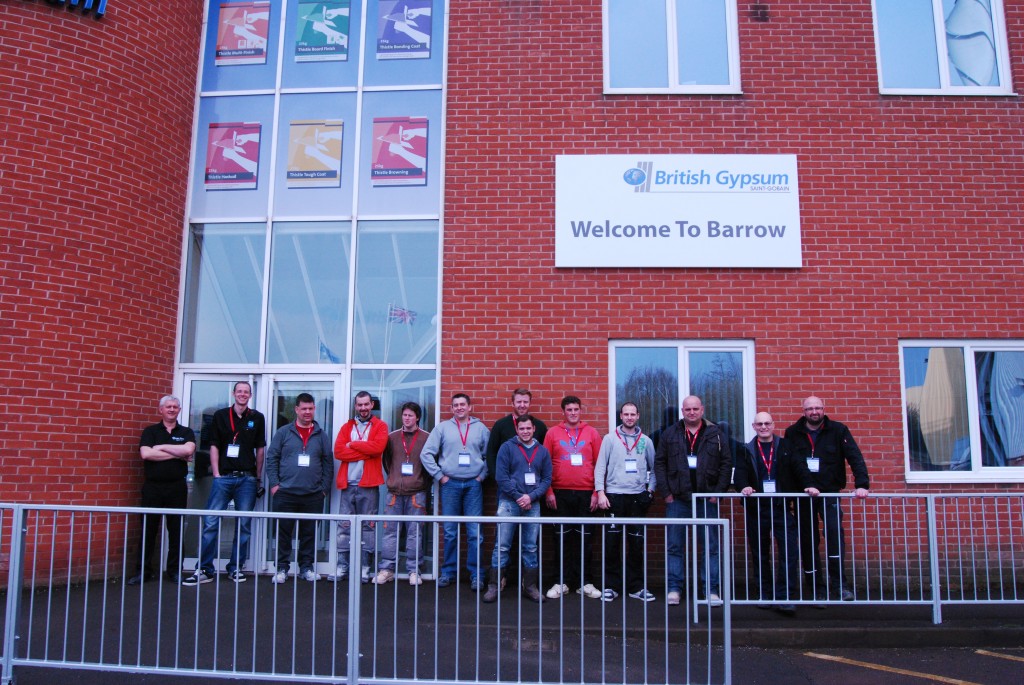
674, 87
945, 88
744, 347
978, 473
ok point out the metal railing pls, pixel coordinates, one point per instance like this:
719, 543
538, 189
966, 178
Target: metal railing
74, 609
885, 549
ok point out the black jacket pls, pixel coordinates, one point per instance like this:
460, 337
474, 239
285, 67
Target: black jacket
835, 448
789, 472
714, 461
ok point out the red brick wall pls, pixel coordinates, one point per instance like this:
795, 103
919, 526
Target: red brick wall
910, 210
97, 119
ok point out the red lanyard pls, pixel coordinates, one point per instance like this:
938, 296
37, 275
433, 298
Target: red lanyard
693, 443
305, 434
573, 442
231, 418
771, 456
406, 447
623, 437
462, 437
360, 435
529, 459
811, 440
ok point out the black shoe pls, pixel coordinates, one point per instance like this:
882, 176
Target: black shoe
173, 577
139, 578
786, 609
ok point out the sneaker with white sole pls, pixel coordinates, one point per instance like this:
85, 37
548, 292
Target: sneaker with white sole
383, 576
236, 576
590, 591
279, 578
714, 600
672, 598
340, 573
557, 590
366, 575
198, 578
310, 575
643, 595
414, 579
609, 595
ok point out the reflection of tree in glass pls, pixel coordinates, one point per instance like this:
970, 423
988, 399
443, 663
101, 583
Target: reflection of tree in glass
652, 389
719, 383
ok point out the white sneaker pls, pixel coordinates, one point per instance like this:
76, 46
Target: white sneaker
672, 598
340, 573
414, 579
383, 576
557, 590
714, 600
590, 591
279, 578
366, 575
310, 575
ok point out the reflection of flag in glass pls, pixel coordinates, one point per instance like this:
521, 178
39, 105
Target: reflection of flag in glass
401, 315
326, 355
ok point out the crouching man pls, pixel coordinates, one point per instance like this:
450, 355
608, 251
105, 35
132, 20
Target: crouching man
523, 474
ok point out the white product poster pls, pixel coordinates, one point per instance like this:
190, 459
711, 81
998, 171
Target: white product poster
677, 211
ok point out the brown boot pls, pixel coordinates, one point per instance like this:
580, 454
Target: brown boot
494, 585
530, 589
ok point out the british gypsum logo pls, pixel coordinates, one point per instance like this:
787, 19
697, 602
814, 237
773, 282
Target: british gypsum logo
640, 177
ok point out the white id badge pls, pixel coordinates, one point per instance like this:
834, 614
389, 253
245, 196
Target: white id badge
692, 461
407, 469
813, 464
463, 458
631, 466
233, 451
768, 486
303, 459
576, 459
530, 478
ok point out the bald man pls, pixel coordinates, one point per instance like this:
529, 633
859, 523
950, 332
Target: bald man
827, 447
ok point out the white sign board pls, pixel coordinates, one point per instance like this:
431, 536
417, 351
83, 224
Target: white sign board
677, 210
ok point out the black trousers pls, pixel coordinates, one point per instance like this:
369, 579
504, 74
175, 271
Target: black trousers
625, 506
166, 495
298, 504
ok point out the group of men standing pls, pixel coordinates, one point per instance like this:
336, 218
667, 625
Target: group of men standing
569, 471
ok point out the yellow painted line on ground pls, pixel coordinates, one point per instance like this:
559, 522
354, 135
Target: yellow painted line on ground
1009, 657
890, 669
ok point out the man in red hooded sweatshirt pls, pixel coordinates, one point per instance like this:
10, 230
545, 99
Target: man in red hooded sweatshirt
359, 447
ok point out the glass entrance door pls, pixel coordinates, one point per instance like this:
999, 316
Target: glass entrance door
284, 390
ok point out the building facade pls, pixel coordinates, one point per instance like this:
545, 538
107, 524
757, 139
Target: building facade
378, 202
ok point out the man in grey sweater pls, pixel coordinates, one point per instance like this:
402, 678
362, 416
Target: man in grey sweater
455, 456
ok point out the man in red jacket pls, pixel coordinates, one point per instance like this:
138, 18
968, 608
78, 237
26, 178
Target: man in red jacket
359, 447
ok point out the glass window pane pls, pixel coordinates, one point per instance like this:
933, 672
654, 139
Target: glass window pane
703, 37
223, 293
637, 44
906, 39
1001, 407
717, 378
396, 292
395, 387
648, 377
970, 43
936, 391
308, 316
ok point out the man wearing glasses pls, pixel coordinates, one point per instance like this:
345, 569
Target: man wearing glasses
826, 446
767, 467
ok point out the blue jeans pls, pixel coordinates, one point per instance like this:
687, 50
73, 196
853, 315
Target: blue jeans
241, 489
461, 498
529, 535
403, 505
708, 565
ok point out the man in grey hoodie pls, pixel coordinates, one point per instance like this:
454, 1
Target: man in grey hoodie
455, 457
300, 468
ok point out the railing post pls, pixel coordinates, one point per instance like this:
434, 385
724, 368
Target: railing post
15, 571
933, 560
355, 568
